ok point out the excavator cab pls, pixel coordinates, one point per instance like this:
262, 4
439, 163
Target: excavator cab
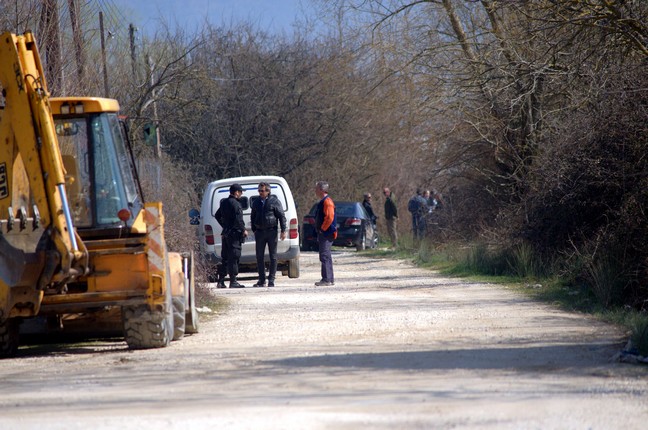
100, 176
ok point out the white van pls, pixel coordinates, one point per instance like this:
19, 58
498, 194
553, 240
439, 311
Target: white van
209, 232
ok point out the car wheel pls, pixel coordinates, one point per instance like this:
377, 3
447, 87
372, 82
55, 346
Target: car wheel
362, 244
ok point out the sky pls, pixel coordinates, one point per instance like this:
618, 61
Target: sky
274, 16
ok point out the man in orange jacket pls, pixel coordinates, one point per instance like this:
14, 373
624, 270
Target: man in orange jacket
326, 226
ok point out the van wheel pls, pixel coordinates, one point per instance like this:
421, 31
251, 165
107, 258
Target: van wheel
212, 276
293, 268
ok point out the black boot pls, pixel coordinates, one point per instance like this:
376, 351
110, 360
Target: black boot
235, 284
220, 282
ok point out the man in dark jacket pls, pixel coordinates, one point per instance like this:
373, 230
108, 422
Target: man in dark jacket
419, 209
366, 203
230, 216
267, 215
391, 215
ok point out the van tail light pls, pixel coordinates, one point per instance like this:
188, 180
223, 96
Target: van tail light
209, 234
293, 232
353, 221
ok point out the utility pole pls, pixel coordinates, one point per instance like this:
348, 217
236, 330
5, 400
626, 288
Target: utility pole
158, 146
49, 33
103, 55
76, 37
131, 32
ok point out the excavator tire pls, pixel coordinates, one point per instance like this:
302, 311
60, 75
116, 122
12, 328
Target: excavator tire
178, 317
145, 328
191, 316
8, 338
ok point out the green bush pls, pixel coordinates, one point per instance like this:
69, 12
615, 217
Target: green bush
605, 277
524, 263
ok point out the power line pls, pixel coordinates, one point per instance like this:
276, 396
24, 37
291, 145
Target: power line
113, 15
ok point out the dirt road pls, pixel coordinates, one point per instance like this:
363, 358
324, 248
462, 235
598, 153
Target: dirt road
388, 347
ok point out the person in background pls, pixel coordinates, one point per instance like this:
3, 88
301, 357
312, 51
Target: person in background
438, 200
429, 200
366, 203
230, 216
391, 215
267, 215
418, 207
433, 200
325, 224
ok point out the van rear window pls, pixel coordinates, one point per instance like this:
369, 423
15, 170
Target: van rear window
250, 191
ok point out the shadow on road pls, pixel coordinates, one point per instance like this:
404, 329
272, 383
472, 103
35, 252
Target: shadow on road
524, 358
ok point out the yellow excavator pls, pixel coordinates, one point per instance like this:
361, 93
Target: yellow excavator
77, 240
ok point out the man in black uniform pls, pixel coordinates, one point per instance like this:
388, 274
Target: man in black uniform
230, 216
267, 215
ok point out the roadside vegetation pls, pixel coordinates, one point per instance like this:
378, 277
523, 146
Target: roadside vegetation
528, 117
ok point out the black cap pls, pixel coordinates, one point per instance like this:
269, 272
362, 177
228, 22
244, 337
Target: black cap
235, 187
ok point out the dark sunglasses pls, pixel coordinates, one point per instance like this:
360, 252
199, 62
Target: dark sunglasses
264, 191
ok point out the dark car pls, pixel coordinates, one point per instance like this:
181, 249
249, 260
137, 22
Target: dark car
355, 229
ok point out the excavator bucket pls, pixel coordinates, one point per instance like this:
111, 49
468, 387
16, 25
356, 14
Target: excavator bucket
22, 253
12, 263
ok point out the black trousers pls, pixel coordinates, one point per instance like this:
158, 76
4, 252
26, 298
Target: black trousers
267, 238
230, 256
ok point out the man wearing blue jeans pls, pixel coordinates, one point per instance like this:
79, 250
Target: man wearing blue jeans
325, 224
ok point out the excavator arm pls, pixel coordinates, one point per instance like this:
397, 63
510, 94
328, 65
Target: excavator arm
39, 247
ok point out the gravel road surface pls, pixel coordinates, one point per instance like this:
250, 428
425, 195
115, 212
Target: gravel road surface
390, 346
